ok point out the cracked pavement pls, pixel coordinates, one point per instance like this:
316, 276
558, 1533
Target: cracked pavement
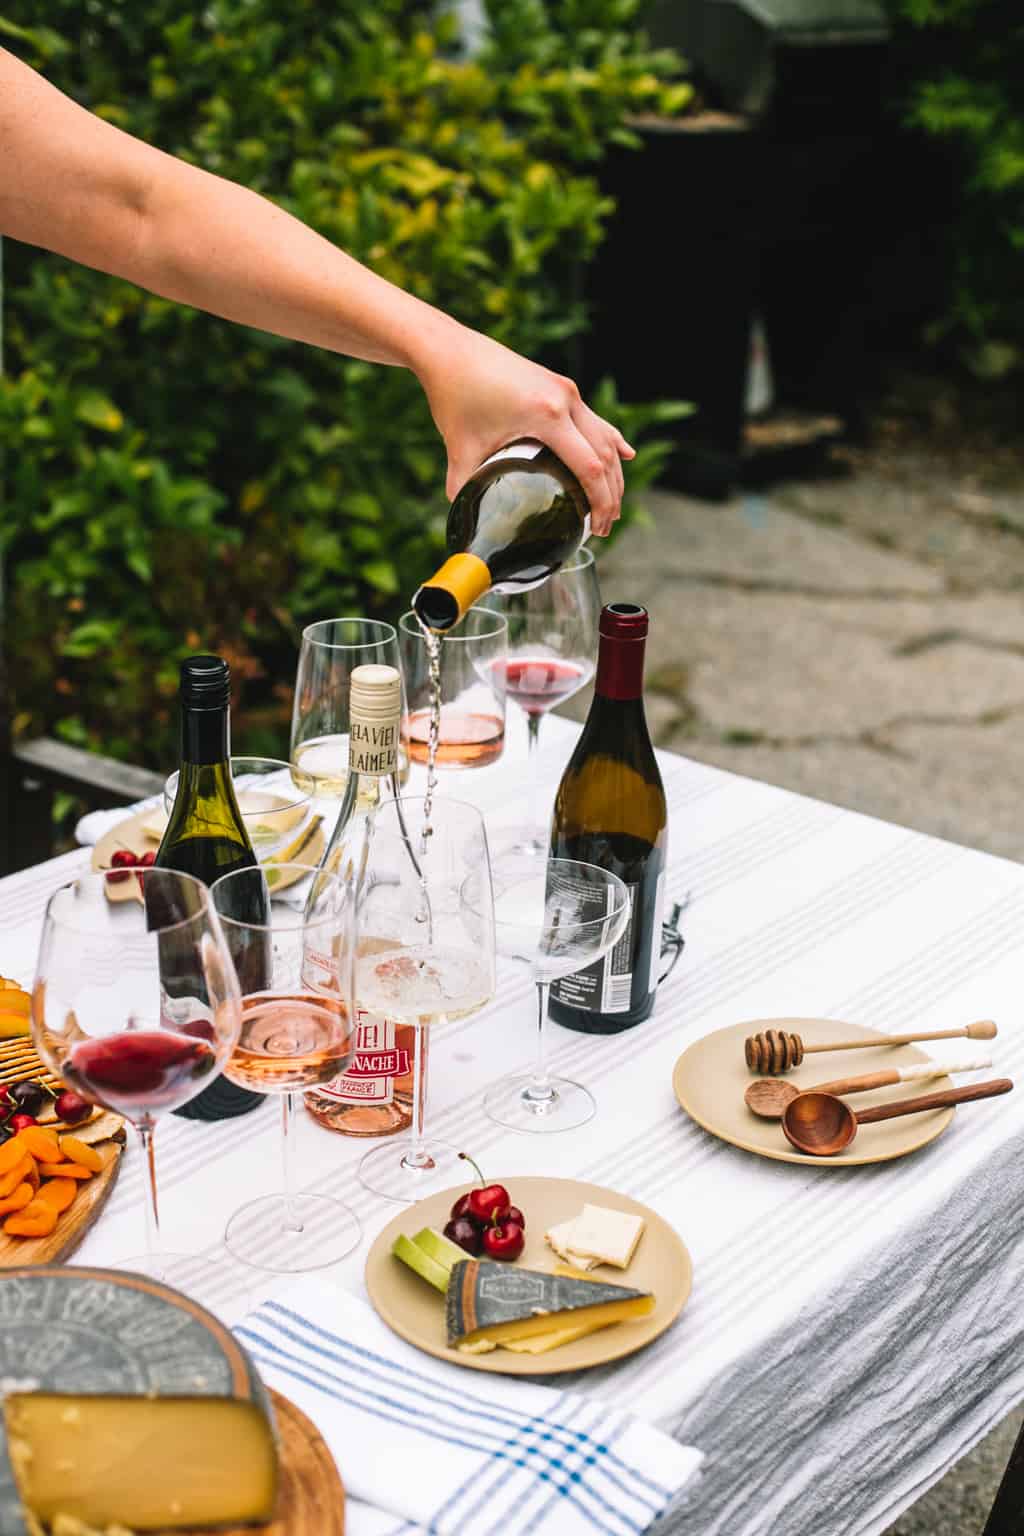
859, 638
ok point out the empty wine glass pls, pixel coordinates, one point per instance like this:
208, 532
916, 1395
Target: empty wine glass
136, 1005
276, 802
424, 957
472, 690
557, 918
331, 650
295, 975
552, 642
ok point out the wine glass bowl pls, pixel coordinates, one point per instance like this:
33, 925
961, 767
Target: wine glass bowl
552, 643
137, 1007
472, 690
424, 956
275, 799
330, 652
296, 1032
557, 919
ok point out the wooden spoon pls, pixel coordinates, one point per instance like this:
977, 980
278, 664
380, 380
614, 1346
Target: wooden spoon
769, 1096
777, 1050
822, 1125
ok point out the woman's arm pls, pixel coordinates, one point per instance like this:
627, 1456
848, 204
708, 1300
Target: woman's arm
74, 184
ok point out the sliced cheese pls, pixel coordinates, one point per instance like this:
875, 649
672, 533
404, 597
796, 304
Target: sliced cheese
546, 1341
127, 1408
600, 1235
559, 1238
493, 1301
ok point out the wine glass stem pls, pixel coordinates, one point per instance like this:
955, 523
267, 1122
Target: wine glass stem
288, 1138
145, 1129
417, 1156
532, 737
540, 1084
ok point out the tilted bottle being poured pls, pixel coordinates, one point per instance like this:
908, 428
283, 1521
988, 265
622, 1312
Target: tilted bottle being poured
518, 517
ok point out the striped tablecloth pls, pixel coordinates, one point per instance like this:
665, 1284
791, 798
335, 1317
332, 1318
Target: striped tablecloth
851, 1332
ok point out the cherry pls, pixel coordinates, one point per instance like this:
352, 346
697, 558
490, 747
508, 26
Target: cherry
123, 858
489, 1204
5, 1094
147, 860
22, 1122
505, 1240
115, 876
71, 1107
460, 1208
466, 1234
28, 1097
516, 1215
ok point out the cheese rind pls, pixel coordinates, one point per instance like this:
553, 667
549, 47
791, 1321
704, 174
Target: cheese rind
90, 1357
493, 1301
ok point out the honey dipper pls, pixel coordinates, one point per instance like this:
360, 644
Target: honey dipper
772, 1051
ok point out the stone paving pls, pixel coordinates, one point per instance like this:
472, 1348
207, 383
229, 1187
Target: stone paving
859, 638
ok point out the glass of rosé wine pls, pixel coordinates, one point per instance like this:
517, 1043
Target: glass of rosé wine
552, 642
470, 688
136, 1005
297, 1031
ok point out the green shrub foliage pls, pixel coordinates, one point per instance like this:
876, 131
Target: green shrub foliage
175, 482
963, 64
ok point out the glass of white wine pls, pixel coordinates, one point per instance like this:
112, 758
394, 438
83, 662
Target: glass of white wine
330, 652
295, 973
276, 803
424, 957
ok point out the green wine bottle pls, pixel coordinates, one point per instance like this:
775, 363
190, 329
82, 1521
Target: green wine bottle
518, 517
610, 810
206, 838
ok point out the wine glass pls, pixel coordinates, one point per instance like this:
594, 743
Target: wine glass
552, 641
557, 918
136, 1005
472, 689
295, 975
423, 956
276, 802
330, 652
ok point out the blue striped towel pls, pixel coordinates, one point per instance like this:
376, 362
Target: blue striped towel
424, 1446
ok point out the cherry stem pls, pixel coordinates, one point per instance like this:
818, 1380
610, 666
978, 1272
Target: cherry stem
466, 1158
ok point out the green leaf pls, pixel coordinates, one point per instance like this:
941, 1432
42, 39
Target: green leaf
99, 411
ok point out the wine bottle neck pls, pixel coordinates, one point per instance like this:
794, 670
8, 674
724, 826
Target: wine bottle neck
205, 739
620, 668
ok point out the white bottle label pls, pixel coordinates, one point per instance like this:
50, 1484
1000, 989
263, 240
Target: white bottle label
376, 1062
514, 451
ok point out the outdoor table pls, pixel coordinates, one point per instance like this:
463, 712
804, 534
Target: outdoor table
852, 1332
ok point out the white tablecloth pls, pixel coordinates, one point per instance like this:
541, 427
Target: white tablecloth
851, 1332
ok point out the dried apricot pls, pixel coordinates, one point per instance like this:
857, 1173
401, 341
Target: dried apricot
17, 1201
18, 1173
37, 1220
64, 1171
59, 1193
11, 1153
81, 1152
43, 1144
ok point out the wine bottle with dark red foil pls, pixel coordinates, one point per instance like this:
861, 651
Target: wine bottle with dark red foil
206, 838
610, 810
518, 517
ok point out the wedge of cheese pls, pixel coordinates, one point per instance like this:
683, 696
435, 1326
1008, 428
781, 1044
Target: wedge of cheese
126, 1406
499, 1303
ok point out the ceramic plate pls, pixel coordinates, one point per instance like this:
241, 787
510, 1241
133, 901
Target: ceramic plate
711, 1078
415, 1310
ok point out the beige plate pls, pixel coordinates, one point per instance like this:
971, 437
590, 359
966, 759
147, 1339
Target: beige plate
129, 834
711, 1078
415, 1310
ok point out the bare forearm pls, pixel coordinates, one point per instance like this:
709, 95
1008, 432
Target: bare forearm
78, 186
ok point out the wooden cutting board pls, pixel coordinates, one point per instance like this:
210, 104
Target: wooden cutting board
105, 1131
311, 1498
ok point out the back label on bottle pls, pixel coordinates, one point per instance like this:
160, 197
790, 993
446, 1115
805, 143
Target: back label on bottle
607, 985
376, 1062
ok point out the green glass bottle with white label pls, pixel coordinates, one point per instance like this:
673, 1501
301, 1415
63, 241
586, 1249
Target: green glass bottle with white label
610, 810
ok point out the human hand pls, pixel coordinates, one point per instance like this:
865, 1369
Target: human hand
482, 396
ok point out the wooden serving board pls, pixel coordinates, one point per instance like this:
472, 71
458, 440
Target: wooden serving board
307, 851
311, 1497
105, 1131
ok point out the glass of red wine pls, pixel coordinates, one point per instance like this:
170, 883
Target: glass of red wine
552, 641
296, 982
136, 1005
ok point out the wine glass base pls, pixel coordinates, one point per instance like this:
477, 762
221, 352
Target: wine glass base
514, 1102
386, 1171
214, 1286
519, 842
309, 1232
